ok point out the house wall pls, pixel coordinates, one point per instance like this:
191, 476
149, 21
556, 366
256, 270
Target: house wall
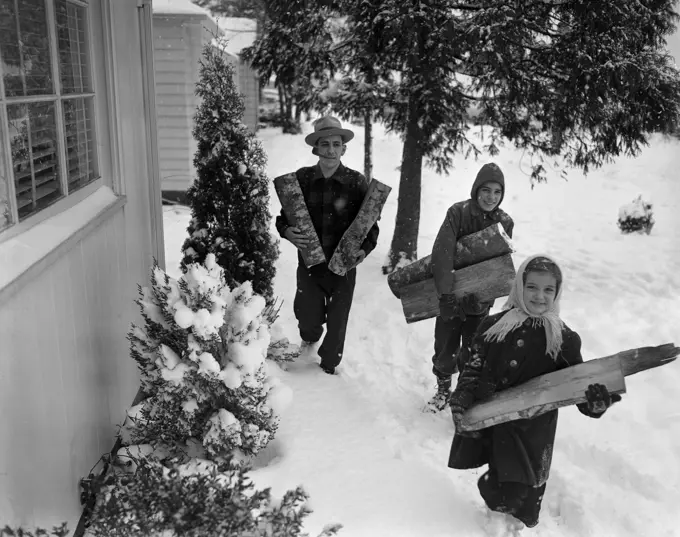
178, 46
66, 377
178, 42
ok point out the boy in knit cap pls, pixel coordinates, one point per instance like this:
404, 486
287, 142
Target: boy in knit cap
458, 319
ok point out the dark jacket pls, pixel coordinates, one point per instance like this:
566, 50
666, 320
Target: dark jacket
464, 218
333, 204
520, 450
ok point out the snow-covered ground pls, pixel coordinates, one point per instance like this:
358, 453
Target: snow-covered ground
359, 443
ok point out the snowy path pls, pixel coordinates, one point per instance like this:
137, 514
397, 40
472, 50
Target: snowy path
359, 443
326, 430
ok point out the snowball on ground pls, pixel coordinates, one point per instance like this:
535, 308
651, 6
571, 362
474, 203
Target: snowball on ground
638, 208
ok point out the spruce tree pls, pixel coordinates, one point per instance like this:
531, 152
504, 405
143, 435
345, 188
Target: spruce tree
230, 197
575, 82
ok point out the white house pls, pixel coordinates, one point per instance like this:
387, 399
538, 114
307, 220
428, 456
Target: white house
80, 224
181, 30
239, 34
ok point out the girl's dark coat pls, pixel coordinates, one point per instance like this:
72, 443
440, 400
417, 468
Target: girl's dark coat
520, 451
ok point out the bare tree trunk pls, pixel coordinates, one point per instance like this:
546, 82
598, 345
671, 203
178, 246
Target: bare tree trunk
282, 102
404, 245
368, 145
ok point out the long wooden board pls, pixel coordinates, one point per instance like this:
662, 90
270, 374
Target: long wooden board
294, 207
488, 280
565, 387
471, 249
345, 254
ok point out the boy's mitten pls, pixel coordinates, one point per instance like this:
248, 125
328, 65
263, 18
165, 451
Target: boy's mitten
599, 399
457, 415
450, 308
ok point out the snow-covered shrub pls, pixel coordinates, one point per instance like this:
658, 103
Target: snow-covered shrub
57, 531
198, 498
201, 353
230, 197
636, 217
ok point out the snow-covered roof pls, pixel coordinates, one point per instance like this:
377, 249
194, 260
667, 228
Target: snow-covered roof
178, 7
239, 32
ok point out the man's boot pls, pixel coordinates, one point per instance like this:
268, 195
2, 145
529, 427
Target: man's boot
441, 398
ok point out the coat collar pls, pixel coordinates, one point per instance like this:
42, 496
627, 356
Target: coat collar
339, 174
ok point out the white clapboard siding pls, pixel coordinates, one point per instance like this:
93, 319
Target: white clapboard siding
67, 375
178, 45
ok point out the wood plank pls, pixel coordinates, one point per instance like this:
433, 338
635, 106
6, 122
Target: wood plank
345, 254
294, 207
636, 360
488, 280
471, 249
565, 387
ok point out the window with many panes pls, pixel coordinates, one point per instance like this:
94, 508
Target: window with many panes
47, 128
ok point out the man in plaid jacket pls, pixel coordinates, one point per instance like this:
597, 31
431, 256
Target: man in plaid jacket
333, 194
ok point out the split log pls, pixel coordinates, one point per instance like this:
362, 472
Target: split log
345, 254
471, 249
565, 387
487, 280
294, 207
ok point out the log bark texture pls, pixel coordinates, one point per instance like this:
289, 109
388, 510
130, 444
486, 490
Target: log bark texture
487, 280
471, 249
294, 207
565, 387
345, 254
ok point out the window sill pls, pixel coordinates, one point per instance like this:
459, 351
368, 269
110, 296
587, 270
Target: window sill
25, 256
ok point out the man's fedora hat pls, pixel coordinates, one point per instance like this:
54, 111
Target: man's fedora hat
328, 126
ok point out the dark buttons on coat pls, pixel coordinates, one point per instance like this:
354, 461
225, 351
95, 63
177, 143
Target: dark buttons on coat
513, 363
520, 343
527, 322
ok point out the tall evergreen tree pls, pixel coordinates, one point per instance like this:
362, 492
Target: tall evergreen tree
365, 78
295, 48
230, 197
585, 81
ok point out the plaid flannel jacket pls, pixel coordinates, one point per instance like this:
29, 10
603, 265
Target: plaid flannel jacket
333, 204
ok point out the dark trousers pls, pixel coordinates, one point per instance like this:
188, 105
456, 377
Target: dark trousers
324, 298
516, 499
447, 342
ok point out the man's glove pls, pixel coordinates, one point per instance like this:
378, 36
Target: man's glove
599, 399
457, 415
